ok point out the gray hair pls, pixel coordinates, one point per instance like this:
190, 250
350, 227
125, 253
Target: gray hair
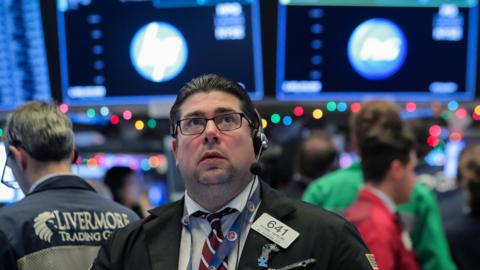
42, 130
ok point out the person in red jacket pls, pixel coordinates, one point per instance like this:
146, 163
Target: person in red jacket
388, 163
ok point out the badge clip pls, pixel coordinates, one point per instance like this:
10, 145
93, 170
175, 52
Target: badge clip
266, 250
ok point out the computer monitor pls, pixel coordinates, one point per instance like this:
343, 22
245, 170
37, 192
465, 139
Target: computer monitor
138, 52
7, 194
407, 50
23, 63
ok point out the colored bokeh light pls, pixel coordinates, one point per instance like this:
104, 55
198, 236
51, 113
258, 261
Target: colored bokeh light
63, 108
317, 114
127, 115
275, 118
298, 111
355, 107
410, 106
435, 130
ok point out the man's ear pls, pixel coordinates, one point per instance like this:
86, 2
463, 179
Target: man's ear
19, 155
396, 170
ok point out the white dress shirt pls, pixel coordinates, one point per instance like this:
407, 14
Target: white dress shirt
191, 243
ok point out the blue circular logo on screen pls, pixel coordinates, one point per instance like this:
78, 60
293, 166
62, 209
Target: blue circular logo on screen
158, 51
377, 49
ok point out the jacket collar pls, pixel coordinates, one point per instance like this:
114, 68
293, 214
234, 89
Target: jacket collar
62, 182
163, 229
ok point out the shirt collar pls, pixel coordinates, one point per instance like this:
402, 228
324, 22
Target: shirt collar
384, 198
237, 203
46, 177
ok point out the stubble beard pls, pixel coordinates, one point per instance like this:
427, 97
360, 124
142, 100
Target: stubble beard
215, 189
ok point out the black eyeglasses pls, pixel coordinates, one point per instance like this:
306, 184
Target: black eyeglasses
9, 183
224, 122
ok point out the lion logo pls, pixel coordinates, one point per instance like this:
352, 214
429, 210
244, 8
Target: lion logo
41, 228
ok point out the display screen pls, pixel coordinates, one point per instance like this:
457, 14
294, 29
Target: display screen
7, 194
127, 52
23, 62
399, 49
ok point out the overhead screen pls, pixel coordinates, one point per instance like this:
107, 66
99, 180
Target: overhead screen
23, 61
124, 52
359, 49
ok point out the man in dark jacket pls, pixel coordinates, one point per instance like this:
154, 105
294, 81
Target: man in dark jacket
62, 221
228, 219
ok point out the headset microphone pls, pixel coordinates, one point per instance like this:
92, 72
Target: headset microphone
256, 168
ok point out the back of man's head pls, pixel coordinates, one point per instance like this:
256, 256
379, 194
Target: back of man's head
42, 130
317, 155
469, 175
376, 113
380, 147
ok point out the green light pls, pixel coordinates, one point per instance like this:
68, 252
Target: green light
275, 118
151, 123
1, 132
440, 145
445, 115
331, 106
91, 113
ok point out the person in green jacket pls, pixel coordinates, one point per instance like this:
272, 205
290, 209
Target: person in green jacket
338, 190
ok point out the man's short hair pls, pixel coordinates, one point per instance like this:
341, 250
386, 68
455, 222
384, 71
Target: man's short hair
380, 147
208, 83
376, 113
42, 130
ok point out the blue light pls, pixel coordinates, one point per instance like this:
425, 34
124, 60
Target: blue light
377, 49
287, 120
342, 106
104, 111
452, 105
158, 52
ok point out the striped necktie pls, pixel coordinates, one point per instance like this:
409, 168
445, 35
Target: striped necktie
215, 238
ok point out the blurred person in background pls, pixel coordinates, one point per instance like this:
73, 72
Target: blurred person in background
316, 156
338, 190
388, 163
128, 189
430, 175
463, 227
61, 222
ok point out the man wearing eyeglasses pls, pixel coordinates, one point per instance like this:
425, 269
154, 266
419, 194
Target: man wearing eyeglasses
62, 221
228, 219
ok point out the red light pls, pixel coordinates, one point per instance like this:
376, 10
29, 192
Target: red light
435, 130
355, 107
432, 141
114, 119
298, 111
475, 116
63, 108
127, 115
411, 106
461, 113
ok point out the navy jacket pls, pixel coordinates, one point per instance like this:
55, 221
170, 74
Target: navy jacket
60, 225
154, 243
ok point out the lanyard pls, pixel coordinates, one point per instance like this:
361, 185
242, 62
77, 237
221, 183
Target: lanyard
233, 235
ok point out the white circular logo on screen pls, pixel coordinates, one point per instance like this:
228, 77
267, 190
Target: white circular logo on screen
158, 51
377, 49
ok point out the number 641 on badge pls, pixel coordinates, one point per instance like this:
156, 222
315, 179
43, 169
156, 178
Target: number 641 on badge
275, 230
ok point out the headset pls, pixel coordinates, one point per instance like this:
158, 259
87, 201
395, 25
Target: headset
260, 141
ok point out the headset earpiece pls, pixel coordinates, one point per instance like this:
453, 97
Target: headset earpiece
260, 140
